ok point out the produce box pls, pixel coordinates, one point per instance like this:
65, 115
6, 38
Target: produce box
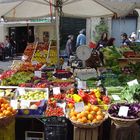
39, 111
86, 134
32, 94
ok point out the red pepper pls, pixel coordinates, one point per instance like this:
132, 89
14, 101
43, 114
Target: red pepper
70, 100
81, 93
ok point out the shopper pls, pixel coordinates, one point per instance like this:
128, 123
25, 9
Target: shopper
69, 45
111, 42
125, 40
103, 41
101, 44
81, 38
8, 47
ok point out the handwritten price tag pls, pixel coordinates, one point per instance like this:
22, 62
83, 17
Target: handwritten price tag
25, 103
134, 82
38, 74
123, 111
56, 90
82, 84
116, 97
21, 91
79, 107
14, 104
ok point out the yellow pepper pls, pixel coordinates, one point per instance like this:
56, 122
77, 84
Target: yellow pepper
77, 98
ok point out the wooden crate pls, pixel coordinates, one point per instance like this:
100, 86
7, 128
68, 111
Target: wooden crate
8, 132
86, 134
124, 133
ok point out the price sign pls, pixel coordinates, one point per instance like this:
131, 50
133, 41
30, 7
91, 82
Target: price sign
82, 84
133, 82
21, 91
38, 74
2, 94
56, 90
34, 62
79, 107
62, 105
123, 111
14, 104
116, 97
25, 103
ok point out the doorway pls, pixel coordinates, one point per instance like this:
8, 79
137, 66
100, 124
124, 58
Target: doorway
22, 35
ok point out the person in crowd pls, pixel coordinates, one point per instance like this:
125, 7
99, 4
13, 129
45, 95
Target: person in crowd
125, 40
81, 38
13, 46
69, 45
101, 44
103, 41
8, 47
110, 42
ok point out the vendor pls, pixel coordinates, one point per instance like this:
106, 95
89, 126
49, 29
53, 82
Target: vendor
125, 40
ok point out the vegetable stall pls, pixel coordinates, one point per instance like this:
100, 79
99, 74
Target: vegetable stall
50, 103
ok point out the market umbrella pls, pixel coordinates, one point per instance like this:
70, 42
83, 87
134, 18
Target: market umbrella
29, 9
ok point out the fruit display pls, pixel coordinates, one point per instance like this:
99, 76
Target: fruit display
17, 78
131, 93
133, 110
62, 74
29, 51
28, 66
90, 114
41, 54
5, 109
8, 93
35, 94
7, 74
54, 111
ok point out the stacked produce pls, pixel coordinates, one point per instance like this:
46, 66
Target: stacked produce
131, 93
17, 78
5, 109
33, 95
133, 111
90, 115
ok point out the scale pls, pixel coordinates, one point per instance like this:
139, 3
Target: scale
32, 135
83, 53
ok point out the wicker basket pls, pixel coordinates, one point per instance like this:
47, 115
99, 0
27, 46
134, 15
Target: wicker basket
123, 122
88, 125
5, 121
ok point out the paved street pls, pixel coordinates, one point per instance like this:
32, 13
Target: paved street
5, 65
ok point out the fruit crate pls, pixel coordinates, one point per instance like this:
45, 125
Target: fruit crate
8, 132
39, 111
86, 134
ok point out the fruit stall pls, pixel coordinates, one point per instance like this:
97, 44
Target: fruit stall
82, 104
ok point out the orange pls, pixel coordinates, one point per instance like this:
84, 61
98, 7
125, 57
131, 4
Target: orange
9, 108
95, 121
84, 114
99, 112
90, 117
87, 108
99, 117
74, 118
79, 116
6, 106
7, 113
93, 113
2, 109
95, 108
84, 119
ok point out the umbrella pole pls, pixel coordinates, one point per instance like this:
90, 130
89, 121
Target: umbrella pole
57, 33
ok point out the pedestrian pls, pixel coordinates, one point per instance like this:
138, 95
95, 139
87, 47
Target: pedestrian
125, 40
81, 38
8, 47
69, 45
101, 44
103, 41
